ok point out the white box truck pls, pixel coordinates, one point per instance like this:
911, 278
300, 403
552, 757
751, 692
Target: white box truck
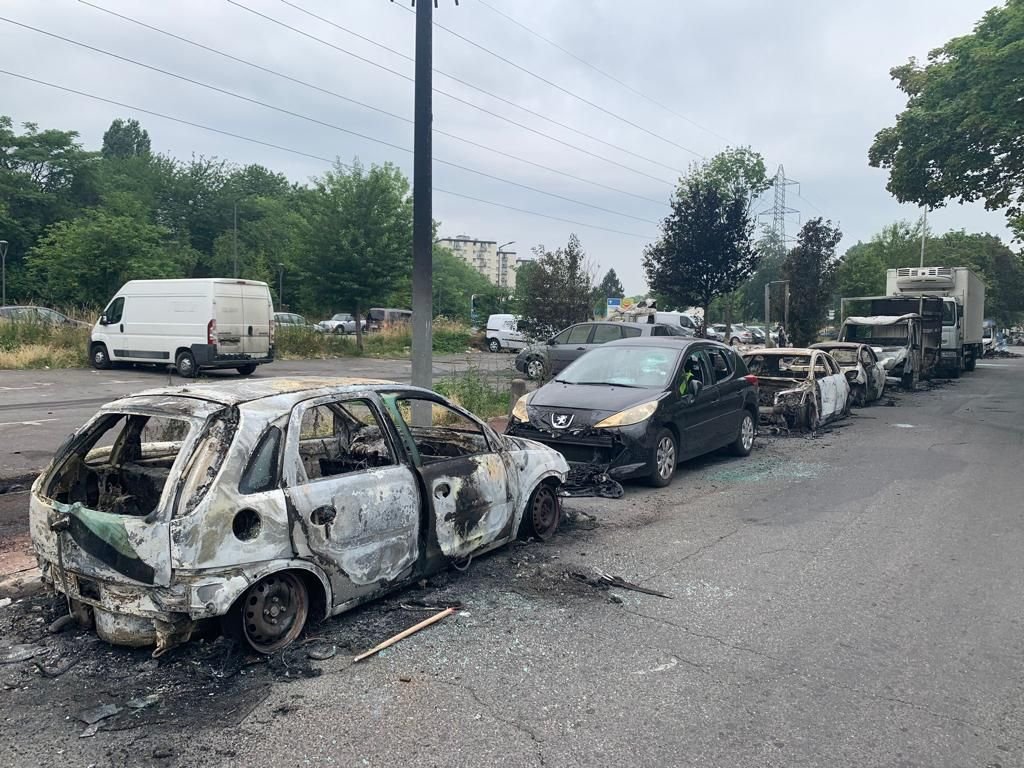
190, 324
963, 295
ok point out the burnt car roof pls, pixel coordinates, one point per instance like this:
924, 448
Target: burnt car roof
827, 345
237, 392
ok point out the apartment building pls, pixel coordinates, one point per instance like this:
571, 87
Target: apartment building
497, 265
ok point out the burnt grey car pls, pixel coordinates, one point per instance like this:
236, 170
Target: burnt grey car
270, 502
548, 358
637, 407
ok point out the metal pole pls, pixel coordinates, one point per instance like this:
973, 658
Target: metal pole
767, 306
924, 229
236, 239
785, 311
422, 214
3, 270
280, 285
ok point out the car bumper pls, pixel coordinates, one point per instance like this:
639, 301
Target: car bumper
624, 453
207, 356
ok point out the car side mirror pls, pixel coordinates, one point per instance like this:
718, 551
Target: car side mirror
552, 343
103, 319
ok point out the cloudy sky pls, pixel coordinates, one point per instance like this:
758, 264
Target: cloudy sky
805, 83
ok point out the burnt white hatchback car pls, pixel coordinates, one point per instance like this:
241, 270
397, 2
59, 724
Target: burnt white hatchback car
266, 503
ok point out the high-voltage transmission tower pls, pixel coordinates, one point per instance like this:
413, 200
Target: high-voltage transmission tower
779, 211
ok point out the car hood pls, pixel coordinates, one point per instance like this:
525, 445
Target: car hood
587, 404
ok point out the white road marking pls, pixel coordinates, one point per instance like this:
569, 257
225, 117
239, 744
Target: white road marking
660, 668
31, 386
992, 365
36, 423
903, 426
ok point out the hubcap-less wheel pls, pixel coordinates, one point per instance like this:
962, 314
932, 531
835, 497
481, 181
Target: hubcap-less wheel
542, 514
665, 458
535, 369
274, 612
494, 345
747, 433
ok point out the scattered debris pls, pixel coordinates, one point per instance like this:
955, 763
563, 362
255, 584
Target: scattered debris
405, 633
102, 712
143, 701
57, 671
591, 480
5, 602
20, 652
419, 605
61, 624
404, 679
603, 580
322, 652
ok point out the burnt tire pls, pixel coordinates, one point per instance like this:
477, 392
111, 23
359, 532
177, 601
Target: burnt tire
859, 395
494, 345
664, 458
185, 365
99, 358
271, 614
744, 442
542, 515
970, 363
246, 370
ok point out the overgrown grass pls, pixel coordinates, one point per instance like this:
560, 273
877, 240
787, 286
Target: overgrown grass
486, 396
34, 345
396, 341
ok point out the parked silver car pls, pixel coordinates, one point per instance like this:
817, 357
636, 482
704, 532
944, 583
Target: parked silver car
270, 502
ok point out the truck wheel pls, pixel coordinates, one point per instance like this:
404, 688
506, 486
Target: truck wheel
954, 372
969, 363
99, 357
494, 345
185, 365
246, 370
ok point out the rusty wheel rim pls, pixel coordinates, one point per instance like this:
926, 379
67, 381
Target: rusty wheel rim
274, 612
544, 512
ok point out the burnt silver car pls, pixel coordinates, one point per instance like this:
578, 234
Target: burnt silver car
269, 502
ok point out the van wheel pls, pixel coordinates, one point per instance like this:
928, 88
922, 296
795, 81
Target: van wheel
246, 370
542, 515
99, 357
185, 365
272, 613
494, 345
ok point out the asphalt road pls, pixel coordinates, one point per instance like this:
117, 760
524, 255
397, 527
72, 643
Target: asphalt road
847, 600
38, 409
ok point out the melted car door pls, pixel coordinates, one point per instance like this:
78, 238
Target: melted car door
353, 506
465, 477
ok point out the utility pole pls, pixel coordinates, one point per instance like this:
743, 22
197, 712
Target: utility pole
422, 209
280, 286
924, 231
3, 270
779, 211
236, 239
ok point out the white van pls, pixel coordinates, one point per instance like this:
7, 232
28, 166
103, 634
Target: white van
192, 324
502, 333
675, 318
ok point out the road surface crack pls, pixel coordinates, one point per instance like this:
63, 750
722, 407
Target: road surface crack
698, 551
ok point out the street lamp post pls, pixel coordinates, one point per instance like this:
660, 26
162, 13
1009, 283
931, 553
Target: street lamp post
280, 284
3, 270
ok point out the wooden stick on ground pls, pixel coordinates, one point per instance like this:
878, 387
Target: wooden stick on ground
405, 633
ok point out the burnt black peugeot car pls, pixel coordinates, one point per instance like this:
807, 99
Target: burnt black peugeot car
637, 407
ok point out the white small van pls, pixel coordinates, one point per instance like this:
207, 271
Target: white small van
502, 333
191, 324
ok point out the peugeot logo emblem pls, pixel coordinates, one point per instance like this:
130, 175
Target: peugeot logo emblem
561, 420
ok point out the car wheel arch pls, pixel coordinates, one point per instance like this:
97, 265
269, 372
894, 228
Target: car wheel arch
317, 583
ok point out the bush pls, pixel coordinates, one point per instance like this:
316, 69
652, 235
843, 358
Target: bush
393, 341
34, 345
473, 390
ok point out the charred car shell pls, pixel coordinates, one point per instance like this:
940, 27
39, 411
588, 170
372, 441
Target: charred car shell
861, 366
800, 389
275, 500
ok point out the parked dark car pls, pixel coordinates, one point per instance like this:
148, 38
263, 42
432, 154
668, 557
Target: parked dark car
639, 406
548, 358
40, 315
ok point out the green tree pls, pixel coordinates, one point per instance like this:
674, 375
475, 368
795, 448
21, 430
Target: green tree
359, 236
85, 260
610, 287
125, 138
555, 289
455, 285
959, 136
707, 247
811, 270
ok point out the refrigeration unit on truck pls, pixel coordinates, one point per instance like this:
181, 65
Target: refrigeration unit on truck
905, 332
963, 311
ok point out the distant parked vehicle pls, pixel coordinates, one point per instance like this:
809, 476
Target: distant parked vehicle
860, 365
40, 315
549, 357
503, 333
192, 324
379, 318
734, 334
291, 321
758, 334
712, 332
343, 322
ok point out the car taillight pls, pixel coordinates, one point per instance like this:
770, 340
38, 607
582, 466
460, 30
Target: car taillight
751, 378
211, 332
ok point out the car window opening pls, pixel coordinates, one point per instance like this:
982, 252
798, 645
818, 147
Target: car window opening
450, 434
340, 438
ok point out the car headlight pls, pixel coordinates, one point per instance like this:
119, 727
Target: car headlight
633, 415
519, 409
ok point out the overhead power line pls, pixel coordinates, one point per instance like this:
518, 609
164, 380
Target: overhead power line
342, 129
602, 72
563, 89
504, 118
272, 145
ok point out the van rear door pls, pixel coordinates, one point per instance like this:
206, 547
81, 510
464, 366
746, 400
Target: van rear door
230, 317
258, 314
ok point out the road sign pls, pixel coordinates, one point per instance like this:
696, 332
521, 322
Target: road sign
614, 303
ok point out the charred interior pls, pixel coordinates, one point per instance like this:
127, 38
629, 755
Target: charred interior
123, 466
